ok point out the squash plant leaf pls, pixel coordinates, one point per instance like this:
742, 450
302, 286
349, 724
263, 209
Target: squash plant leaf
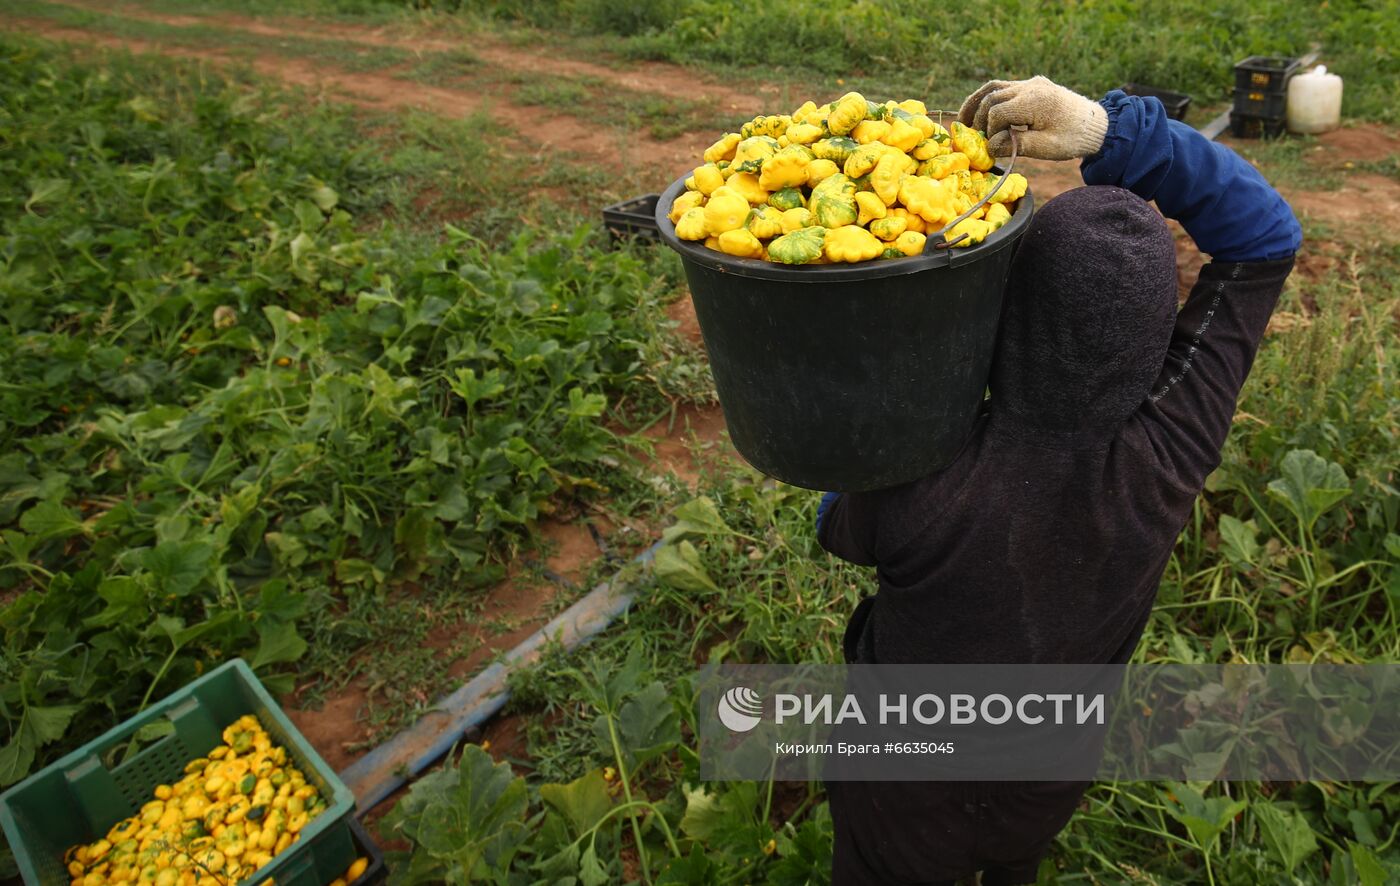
1238, 542
50, 519
1287, 835
178, 566
470, 820
695, 869
583, 801
646, 726
38, 727
1310, 485
1369, 869
278, 642
1205, 818
697, 517
679, 566
45, 190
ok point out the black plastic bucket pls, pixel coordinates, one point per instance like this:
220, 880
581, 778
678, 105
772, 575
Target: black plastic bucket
849, 377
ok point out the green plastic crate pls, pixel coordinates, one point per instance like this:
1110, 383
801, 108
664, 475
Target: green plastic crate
78, 799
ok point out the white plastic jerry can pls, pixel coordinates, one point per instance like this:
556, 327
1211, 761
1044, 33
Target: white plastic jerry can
1314, 101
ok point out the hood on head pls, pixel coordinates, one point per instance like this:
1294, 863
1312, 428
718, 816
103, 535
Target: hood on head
1090, 305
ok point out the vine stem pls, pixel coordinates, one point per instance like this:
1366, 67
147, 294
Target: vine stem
627, 791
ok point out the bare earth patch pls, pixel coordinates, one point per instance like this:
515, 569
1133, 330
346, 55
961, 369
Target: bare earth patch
654, 77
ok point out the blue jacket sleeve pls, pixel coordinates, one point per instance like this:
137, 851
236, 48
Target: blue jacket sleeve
1227, 207
828, 499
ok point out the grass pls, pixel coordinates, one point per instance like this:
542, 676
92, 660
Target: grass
1090, 46
444, 68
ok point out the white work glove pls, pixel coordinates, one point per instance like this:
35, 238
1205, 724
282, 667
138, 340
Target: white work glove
1060, 124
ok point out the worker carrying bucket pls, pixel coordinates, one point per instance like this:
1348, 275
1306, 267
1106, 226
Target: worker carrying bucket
1044, 538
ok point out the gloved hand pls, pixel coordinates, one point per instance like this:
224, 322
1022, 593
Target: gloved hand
1060, 123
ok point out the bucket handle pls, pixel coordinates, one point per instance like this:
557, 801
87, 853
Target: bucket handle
937, 241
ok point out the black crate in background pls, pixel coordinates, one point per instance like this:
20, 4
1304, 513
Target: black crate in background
1246, 126
375, 873
1265, 73
1255, 103
633, 218
1176, 103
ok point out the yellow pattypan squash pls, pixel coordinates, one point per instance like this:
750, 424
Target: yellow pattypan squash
885, 177
837, 149
1014, 189
684, 203
910, 243
863, 159
765, 223
708, 178
924, 124
975, 228
852, 244
973, 144
691, 225
786, 169
805, 114
725, 212
771, 126
798, 247
724, 148
913, 106
870, 208
925, 197
997, 214
751, 152
889, 227
868, 131
748, 186
792, 219
741, 243
803, 133
846, 113
787, 198
902, 136
912, 222
944, 166
820, 169
966, 184
928, 149
834, 201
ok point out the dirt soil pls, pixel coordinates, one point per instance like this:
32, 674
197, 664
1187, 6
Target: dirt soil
654, 77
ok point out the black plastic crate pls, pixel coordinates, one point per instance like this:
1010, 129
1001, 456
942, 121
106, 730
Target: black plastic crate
633, 218
1245, 126
376, 872
1261, 103
1265, 73
1176, 103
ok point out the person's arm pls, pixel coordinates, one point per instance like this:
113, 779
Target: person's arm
1216, 337
1248, 229
1227, 207
846, 527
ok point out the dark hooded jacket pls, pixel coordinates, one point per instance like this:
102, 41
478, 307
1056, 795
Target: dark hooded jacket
1045, 540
